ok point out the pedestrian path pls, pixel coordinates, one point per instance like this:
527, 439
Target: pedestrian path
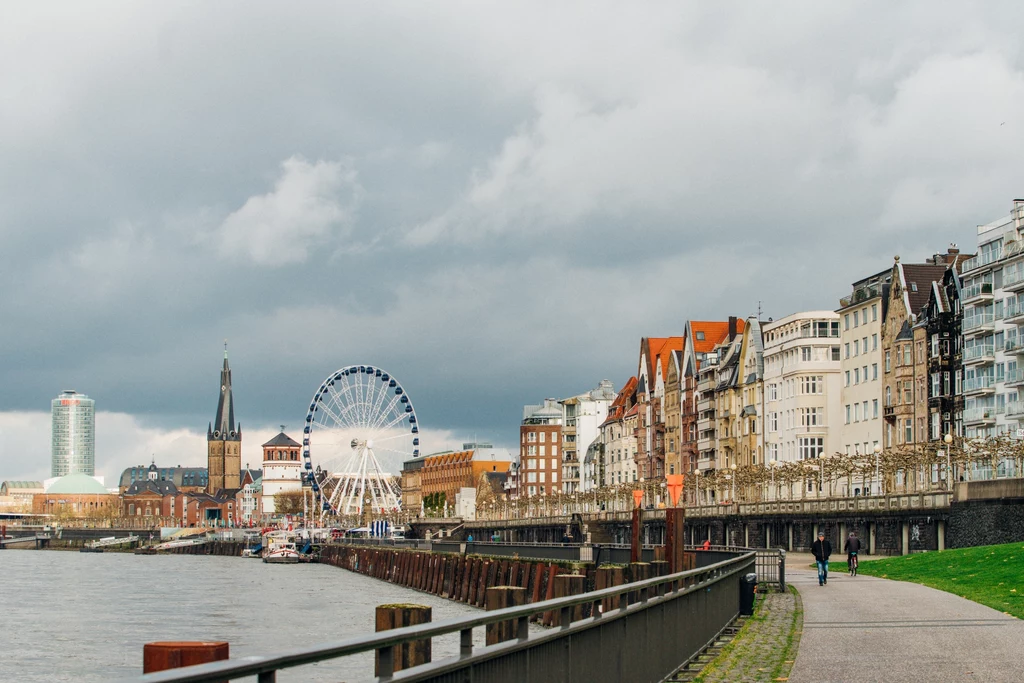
870, 629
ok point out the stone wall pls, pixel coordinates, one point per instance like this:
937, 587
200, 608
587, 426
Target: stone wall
985, 522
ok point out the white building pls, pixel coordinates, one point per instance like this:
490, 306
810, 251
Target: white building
993, 282
282, 469
582, 416
802, 386
73, 434
861, 315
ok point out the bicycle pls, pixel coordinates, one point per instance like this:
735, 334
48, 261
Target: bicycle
853, 564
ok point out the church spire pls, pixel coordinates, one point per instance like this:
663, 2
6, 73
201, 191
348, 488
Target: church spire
224, 423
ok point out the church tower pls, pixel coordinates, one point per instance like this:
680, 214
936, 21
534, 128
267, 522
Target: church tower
224, 439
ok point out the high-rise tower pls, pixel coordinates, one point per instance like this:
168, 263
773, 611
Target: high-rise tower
73, 439
224, 438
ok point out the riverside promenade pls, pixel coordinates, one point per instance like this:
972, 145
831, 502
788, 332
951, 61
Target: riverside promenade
869, 629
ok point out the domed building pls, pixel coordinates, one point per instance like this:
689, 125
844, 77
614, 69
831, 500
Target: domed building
75, 495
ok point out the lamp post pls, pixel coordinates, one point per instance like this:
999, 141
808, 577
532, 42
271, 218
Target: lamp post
773, 464
821, 473
732, 480
878, 481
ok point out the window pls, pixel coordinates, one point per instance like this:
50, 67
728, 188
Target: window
700, 336
856, 375
856, 347
888, 396
865, 410
874, 409
907, 360
847, 378
773, 392
805, 353
908, 392
856, 412
848, 413
888, 362
531, 437
935, 384
543, 435
811, 417
554, 464
773, 422
554, 477
874, 371
531, 464
542, 450
856, 318
874, 312
814, 384
874, 342
846, 321
531, 450
542, 476
945, 381
835, 353
908, 431
811, 447
846, 349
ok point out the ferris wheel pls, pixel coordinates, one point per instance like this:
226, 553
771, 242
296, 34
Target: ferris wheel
361, 425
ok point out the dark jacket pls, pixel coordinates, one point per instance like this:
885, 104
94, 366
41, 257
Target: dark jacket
852, 545
821, 550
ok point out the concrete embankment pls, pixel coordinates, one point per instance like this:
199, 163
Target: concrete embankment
466, 578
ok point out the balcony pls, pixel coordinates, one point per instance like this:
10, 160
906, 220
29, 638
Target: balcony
981, 354
980, 385
978, 324
1015, 377
1015, 346
980, 416
1015, 410
981, 291
1013, 278
1014, 312
982, 260
705, 404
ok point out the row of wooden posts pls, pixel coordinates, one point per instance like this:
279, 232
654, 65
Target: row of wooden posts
491, 583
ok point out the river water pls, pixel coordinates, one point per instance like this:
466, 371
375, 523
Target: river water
69, 616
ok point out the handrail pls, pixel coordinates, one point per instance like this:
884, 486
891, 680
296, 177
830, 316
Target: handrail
265, 665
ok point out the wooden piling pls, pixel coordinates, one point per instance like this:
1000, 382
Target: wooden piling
409, 654
165, 655
566, 585
500, 597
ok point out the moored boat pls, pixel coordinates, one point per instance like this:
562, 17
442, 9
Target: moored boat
281, 555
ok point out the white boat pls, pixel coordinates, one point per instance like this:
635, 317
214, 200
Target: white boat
281, 555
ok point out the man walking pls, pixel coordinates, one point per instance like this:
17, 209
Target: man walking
821, 549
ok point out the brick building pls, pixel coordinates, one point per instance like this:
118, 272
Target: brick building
540, 436
448, 472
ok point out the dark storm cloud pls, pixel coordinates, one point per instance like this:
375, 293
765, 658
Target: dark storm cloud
494, 202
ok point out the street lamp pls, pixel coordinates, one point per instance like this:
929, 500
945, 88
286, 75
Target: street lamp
878, 482
774, 463
732, 479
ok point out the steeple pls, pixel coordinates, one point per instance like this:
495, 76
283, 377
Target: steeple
224, 422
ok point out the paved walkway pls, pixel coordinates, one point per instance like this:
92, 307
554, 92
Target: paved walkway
869, 629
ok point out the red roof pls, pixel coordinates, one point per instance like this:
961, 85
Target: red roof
659, 348
714, 334
622, 401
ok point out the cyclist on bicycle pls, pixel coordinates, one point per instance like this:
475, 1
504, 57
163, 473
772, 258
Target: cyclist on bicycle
852, 547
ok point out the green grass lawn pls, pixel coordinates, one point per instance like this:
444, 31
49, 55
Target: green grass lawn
992, 575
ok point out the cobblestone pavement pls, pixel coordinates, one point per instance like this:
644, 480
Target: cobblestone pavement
764, 648
868, 629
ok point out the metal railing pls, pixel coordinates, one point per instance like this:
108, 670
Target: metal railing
669, 619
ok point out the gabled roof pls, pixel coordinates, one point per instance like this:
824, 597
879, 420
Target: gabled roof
917, 279
622, 402
653, 349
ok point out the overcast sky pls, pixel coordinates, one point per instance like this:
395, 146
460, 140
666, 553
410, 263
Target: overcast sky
493, 201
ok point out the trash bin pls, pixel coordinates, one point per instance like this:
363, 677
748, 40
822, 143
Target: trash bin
747, 585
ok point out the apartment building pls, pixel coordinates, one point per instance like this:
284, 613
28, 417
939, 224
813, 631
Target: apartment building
712, 369
941, 320
904, 357
700, 339
861, 315
617, 462
802, 386
993, 312
653, 361
582, 416
672, 410
540, 438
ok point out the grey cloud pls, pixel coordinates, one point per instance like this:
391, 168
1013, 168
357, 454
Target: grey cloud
504, 197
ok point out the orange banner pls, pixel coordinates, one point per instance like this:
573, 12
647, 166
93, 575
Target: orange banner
675, 488
638, 498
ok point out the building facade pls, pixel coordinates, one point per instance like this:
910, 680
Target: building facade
412, 493
904, 365
540, 437
993, 343
73, 435
582, 416
616, 459
448, 473
185, 479
861, 315
802, 387
650, 393
224, 439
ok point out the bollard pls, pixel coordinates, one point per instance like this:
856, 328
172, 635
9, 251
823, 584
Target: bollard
176, 654
408, 654
566, 585
500, 597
